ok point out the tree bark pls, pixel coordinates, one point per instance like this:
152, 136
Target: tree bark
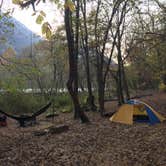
90, 99
125, 84
72, 83
99, 69
119, 73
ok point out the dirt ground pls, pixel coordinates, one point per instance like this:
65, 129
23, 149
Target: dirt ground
100, 143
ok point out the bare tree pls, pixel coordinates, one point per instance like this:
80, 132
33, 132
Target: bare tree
72, 83
85, 43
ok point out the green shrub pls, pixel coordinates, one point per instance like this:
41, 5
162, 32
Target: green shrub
62, 103
66, 109
20, 103
62, 100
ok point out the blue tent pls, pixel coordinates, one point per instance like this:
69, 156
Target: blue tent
150, 115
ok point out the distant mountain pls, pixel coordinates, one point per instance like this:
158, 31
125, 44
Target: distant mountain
15, 35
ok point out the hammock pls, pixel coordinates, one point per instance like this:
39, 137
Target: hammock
22, 119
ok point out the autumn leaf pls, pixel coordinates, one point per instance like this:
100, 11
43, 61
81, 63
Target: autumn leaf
43, 28
46, 30
17, 2
48, 33
33, 14
69, 4
39, 19
43, 13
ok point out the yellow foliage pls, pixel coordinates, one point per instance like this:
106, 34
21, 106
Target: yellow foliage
9, 52
162, 87
43, 13
17, 2
46, 30
39, 19
69, 4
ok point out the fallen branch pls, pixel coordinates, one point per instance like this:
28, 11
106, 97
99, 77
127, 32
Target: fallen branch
52, 130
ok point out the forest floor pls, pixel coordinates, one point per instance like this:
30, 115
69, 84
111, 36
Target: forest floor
100, 143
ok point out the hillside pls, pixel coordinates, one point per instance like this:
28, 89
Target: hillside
15, 35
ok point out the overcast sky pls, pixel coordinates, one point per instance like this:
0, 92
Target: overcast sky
53, 15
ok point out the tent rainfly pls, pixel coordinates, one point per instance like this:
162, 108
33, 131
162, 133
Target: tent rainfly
135, 110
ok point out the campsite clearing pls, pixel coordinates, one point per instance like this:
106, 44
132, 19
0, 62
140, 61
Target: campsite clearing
101, 143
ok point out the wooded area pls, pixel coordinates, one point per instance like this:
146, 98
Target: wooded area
104, 54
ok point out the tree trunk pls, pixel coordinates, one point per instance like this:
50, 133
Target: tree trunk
72, 83
101, 84
101, 96
90, 99
99, 70
119, 73
126, 89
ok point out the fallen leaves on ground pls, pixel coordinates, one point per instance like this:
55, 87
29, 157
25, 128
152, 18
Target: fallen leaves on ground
100, 143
